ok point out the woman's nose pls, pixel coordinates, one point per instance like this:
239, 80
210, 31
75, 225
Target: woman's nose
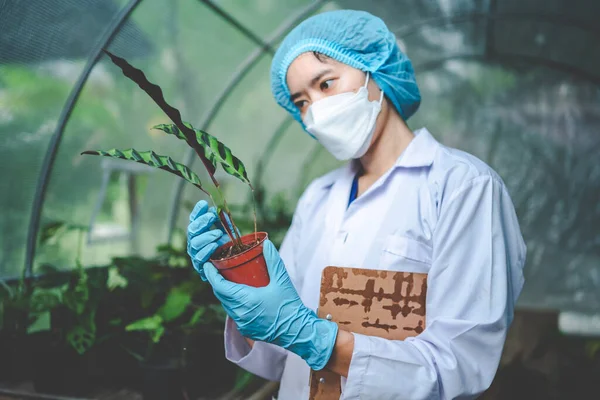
316, 95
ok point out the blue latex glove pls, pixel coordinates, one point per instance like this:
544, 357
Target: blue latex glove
274, 313
203, 241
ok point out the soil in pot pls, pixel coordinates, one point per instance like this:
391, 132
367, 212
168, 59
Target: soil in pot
248, 267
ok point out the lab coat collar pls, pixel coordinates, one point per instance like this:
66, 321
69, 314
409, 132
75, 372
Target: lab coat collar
419, 153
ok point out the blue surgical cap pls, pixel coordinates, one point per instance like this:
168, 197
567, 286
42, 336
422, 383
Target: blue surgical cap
355, 38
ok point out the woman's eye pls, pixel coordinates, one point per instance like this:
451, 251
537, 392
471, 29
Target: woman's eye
326, 84
300, 104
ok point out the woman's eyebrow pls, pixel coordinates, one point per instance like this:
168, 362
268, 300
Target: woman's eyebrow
313, 81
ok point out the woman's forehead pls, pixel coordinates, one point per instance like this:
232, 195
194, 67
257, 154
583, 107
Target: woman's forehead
306, 66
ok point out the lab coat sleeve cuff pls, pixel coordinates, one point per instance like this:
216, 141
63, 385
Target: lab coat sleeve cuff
359, 364
262, 359
236, 347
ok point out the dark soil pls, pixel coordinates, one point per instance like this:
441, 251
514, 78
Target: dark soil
233, 250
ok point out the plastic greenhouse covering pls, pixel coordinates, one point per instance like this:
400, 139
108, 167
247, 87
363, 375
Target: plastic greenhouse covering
513, 82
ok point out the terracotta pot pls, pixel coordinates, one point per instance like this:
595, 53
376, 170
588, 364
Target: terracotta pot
248, 267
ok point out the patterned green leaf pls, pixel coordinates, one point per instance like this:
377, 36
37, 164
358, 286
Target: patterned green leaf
214, 150
156, 93
171, 129
152, 159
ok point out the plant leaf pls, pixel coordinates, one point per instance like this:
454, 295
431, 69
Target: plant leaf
172, 129
76, 296
43, 300
83, 335
214, 150
50, 277
157, 334
156, 93
242, 379
152, 159
49, 230
196, 316
145, 324
41, 323
54, 228
115, 279
176, 303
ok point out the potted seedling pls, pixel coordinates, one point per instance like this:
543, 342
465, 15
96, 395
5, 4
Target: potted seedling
241, 259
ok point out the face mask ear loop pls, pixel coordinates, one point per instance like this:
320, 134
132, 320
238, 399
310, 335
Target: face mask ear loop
381, 95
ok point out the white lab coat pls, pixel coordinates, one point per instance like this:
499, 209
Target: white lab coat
440, 211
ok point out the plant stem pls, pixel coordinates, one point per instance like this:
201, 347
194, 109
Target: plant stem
8, 289
223, 220
254, 215
228, 212
79, 249
224, 223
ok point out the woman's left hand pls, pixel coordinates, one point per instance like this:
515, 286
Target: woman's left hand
275, 313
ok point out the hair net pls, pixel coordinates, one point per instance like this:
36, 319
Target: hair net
355, 38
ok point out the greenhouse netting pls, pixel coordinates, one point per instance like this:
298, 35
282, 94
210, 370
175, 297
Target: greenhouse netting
514, 82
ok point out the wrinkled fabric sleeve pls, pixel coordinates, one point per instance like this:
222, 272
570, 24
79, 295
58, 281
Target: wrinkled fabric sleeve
474, 281
264, 359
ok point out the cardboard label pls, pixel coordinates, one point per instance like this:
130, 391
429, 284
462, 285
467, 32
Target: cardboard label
387, 304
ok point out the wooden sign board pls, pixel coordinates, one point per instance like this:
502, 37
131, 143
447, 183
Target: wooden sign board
387, 304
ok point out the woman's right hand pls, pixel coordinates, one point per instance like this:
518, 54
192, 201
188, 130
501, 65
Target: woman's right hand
203, 241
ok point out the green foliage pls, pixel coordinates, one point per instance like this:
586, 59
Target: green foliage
156, 93
210, 151
153, 325
82, 335
152, 159
215, 151
243, 379
175, 305
77, 295
43, 300
196, 317
41, 323
115, 279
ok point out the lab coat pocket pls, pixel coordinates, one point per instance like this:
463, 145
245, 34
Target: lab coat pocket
401, 253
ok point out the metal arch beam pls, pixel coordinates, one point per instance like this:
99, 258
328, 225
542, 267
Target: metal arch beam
239, 26
489, 29
50, 157
504, 58
460, 18
241, 72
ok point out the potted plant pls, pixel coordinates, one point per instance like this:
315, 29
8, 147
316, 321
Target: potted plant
240, 260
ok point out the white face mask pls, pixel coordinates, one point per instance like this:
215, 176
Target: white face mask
344, 123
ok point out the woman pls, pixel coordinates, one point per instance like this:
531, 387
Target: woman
403, 203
